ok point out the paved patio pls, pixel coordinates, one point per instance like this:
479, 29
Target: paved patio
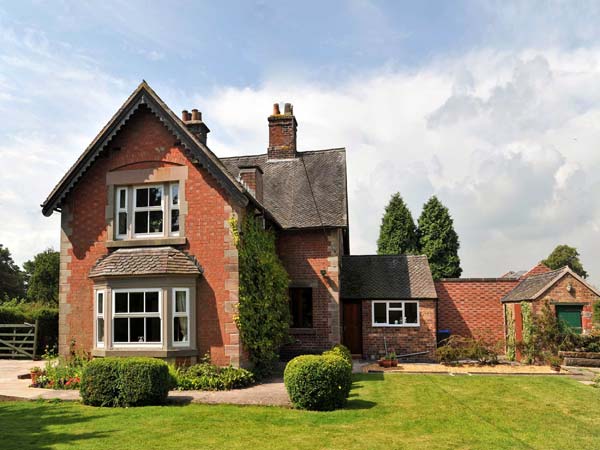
12, 388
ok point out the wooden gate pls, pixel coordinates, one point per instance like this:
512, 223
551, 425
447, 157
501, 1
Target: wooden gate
18, 340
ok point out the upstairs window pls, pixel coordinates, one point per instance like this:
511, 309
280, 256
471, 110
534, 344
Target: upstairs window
153, 211
301, 307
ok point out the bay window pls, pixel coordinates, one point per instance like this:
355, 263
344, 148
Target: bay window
99, 307
395, 313
137, 317
181, 317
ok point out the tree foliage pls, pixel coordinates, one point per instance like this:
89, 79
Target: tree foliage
398, 233
263, 311
42, 277
563, 255
11, 278
438, 240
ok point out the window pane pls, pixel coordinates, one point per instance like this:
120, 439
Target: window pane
180, 329
151, 301
153, 329
175, 194
136, 302
120, 330
301, 307
156, 221
122, 223
121, 302
395, 317
141, 222
136, 329
100, 301
155, 196
122, 198
180, 301
174, 220
410, 310
141, 198
380, 315
396, 305
100, 329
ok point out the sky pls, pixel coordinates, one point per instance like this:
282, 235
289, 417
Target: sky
492, 106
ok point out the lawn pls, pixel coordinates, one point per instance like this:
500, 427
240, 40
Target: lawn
395, 411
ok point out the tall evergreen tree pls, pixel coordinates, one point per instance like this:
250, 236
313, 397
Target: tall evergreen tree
11, 277
563, 255
398, 233
438, 240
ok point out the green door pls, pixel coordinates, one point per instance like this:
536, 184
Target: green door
570, 315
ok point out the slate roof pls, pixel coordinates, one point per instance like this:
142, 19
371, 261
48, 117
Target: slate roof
145, 261
530, 287
287, 184
386, 277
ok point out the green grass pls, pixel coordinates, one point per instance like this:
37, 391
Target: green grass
395, 411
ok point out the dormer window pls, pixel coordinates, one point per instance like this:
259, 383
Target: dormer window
147, 211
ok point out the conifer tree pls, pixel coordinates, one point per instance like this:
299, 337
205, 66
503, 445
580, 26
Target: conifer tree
398, 233
438, 240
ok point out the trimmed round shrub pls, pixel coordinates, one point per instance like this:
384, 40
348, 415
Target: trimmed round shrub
318, 382
340, 350
125, 382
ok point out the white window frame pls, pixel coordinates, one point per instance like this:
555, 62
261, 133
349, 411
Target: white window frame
180, 314
128, 315
119, 209
98, 316
173, 207
148, 209
387, 313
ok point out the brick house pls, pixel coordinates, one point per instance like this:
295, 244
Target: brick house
148, 263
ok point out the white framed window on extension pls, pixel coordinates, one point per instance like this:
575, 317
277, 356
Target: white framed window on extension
395, 313
99, 319
180, 299
137, 317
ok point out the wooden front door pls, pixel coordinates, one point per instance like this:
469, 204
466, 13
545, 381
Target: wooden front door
352, 320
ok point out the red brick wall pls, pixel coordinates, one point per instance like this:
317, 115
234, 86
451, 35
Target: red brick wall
145, 139
304, 254
282, 136
472, 307
579, 294
401, 340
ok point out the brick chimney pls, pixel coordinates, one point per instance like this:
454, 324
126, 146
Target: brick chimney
194, 123
282, 133
252, 178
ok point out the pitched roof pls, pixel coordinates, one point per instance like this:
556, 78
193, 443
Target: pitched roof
534, 285
303, 192
145, 261
386, 277
144, 96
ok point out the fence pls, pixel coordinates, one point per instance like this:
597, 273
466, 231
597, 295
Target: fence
18, 340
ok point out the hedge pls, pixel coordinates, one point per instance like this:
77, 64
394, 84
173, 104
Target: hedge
340, 350
125, 382
318, 382
20, 312
206, 376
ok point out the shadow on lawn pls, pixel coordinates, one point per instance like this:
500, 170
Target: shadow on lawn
27, 426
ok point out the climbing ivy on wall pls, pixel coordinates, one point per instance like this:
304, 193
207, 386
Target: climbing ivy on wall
511, 339
528, 353
263, 316
596, 313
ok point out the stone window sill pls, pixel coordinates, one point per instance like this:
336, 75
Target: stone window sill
152, 242
152, 353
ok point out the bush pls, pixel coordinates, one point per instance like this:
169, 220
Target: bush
125, 382
208, 377
63, 373
19, 311
458, 348
340, 350
318, 382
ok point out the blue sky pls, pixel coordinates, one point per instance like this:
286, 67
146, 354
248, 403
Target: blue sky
492, 106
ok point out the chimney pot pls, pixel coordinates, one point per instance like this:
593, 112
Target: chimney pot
288, 108
196, 114
276, 111
185, 115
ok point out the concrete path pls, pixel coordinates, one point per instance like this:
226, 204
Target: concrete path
12, 388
